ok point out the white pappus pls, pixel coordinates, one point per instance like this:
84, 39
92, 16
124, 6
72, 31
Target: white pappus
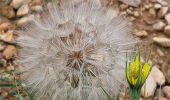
75, 51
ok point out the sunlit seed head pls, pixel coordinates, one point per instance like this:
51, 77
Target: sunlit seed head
75, 51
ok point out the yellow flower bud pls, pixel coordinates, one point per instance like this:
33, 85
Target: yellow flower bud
136, 73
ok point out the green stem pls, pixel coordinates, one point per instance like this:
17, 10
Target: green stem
135, 93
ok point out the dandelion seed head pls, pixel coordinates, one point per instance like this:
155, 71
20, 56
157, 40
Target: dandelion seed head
75, 51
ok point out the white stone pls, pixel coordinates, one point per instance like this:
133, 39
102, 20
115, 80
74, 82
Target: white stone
157, 6
148, 89
162, 2
25, 20
23, 10
134, 3
166, 91
136, 14
163, 41
167, 18
167, 30
159, 26
17, 3
162, 12
157, 76
37, 8
141, 33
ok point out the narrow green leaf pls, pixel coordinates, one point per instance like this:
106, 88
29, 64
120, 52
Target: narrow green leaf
8, 85
4, 79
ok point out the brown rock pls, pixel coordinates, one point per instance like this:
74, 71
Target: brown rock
157, 76
39, 2
136, 14
167, 30
152, 12
162, 12
6, 26
10, 68
17, 3
166, 91
167, 18
163, 41
25, 20
3, 20
37, 8
159, 26
140, 33
160, 98
7, 36
23, 10
7, 11
9, 52
149, 87
123, 6
157, 6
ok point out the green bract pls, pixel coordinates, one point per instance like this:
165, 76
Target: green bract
136, 74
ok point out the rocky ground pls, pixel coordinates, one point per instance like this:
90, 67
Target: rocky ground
152, 25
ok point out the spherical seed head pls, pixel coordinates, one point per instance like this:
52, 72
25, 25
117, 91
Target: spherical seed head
75, 51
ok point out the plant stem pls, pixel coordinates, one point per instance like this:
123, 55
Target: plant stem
135, 93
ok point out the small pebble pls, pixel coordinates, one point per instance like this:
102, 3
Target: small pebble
7, 36
167, 18
162, 2
157, 76
40, 2
123, 6
10, 68
163, 41
25, 20
7, 11
157, 6
140, 33
18, 3
9, 52
23, 10
162, 12
166, 91
5, 26
160, 52
167, 30
136, 13
152, 12
37, 8
159, 26
132, 2
148, 89
159, 98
